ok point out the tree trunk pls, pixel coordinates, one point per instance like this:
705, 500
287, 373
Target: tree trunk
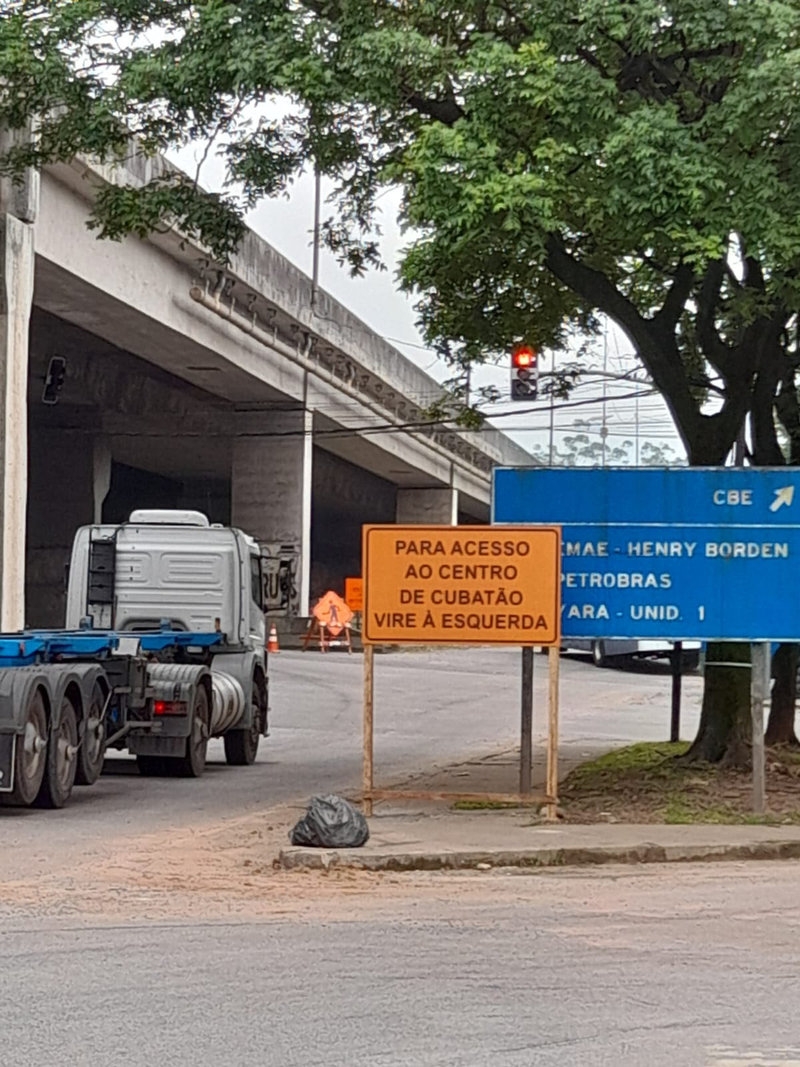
724, 734
780, 728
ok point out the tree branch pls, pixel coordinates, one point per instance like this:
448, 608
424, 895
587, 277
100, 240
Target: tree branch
655, 343
731, 50
447, 111
594, 286
593, 61
753, 274
716, 352
769, 366
787, 408
675, 300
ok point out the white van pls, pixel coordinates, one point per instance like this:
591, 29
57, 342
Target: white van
607, 653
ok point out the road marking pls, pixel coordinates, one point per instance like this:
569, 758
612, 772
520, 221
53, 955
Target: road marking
723, 1056
782, 496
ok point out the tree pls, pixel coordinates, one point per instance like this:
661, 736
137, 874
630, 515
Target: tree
634, 158
585, 449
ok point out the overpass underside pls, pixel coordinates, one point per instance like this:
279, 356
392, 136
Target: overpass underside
128, 433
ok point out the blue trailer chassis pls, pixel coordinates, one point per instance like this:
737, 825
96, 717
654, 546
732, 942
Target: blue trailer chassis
70, 667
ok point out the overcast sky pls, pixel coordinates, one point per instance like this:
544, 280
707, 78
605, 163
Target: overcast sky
287, 225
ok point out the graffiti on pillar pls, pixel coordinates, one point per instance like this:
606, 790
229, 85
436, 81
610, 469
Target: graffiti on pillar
281, 567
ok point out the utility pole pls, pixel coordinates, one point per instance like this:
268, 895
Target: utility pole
552, 406
604, 426
317, 223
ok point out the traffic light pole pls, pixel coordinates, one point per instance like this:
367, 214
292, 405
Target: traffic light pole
552, 407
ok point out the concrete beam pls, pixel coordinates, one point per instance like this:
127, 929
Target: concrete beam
262, 296
16, 301
427, 506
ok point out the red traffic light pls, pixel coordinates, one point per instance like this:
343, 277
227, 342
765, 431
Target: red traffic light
524, 373
524, 356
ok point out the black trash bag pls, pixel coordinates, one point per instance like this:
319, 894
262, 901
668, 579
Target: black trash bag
331, 822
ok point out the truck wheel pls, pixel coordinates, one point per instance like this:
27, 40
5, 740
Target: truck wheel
62, 760
690, 661
93, 747
599, 657
30, 757
241, 746
193, 763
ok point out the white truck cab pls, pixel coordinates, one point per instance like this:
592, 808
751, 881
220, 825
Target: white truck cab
172, 569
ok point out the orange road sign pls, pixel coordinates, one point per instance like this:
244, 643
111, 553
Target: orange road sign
477, 585
332, 612
354, 593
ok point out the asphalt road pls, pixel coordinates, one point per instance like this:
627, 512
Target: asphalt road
663, 967
175, 945
430, 708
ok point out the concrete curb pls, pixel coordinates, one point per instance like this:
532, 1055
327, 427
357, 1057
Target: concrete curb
646, 852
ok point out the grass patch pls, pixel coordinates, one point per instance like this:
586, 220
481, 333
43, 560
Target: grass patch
646, 783
488, 805
679, 811
649, 759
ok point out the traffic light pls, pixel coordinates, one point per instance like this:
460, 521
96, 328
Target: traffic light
524, 373
54, 382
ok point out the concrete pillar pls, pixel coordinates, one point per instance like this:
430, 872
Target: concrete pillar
18, 207
16, 301
271, 500
61, 498
427, 506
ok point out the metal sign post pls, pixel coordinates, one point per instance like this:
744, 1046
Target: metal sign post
369, 704
759, 695
526, 724
677, 667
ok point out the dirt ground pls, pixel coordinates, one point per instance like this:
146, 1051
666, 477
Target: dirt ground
223, 870
649, 783
219, 871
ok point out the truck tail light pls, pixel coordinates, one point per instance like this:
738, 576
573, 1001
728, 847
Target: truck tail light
169, 707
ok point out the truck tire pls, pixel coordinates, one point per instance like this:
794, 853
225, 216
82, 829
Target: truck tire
62, 759
599, 657
93, 746
193, 763
241, 746
690, 661
30, 756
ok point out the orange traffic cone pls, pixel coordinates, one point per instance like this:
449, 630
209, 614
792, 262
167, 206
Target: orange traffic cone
272, 644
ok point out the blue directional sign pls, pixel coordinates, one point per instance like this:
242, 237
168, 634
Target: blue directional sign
683, 553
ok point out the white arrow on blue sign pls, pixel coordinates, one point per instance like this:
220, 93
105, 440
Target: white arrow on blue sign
680, 553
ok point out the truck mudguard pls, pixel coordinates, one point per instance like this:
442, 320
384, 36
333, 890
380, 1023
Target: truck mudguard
82, 677
17, 685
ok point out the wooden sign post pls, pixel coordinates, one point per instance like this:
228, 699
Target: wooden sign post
369, 703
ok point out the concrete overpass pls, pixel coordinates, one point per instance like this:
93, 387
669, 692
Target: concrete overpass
241, 393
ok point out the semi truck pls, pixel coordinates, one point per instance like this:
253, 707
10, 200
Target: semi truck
164, 647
